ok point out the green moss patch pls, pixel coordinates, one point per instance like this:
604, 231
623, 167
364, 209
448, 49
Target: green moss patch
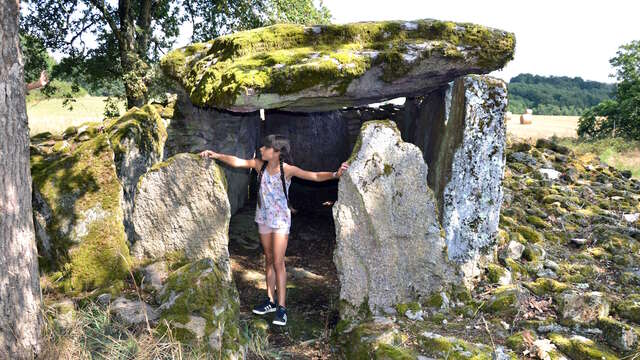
544, 286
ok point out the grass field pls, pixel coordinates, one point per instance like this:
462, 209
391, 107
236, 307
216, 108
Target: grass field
543, 126
50, 115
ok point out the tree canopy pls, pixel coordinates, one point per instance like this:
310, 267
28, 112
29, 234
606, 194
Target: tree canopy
619, 116
131, 36
555, 95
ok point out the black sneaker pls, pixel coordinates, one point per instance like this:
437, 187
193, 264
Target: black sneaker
281, 316
266, 307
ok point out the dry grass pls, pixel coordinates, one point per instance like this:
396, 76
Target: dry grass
543, 126
93, 333
620, 153
51, 115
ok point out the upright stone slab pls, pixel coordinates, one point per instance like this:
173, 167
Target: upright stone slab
138, 139
181, 205
389, 245
466, 155
193, 129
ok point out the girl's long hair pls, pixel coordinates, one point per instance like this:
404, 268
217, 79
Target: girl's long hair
278, 143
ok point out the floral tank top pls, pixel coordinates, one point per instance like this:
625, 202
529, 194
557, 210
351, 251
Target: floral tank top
274, 211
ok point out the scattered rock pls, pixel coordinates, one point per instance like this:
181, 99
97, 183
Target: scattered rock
104, 299
583, 308
550, 174
155, 275
513, 250
132, 312
579, 241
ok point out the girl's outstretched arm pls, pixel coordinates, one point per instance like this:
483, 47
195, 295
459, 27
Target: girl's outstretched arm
292, 171
233, 161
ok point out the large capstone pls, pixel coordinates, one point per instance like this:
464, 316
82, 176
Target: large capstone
461, 131
193, 129
389, 245
181, 205
326, 67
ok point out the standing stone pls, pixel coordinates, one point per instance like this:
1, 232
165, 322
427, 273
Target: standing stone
194, 129
137, 139
466, 158
389, 245
181, 205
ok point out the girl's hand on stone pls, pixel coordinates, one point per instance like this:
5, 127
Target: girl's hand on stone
209, 154
342, 168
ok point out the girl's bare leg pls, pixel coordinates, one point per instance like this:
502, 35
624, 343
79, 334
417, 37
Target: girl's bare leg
279, 249
270, 274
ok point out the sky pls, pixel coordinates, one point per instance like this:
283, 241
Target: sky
561, 37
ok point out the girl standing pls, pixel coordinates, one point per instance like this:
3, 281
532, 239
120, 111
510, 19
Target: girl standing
272, 211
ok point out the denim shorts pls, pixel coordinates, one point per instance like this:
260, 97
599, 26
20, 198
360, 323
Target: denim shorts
265, 229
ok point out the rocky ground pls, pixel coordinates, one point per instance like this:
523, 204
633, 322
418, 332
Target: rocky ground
564, 283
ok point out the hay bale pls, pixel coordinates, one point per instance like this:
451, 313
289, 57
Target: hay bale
527, 117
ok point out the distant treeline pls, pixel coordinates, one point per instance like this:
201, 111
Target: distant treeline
556, 95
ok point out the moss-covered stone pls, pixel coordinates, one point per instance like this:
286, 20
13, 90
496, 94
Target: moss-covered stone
629, 308
533, 252
504, 300
544, 286
530, 234
370, 340
618, 334
496, 274
287, 58
86, 232
144, 126
403, 307
445, 347
538, 222
580, 348
200, 290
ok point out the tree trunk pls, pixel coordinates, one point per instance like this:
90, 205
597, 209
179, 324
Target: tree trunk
20, 298
134, 68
